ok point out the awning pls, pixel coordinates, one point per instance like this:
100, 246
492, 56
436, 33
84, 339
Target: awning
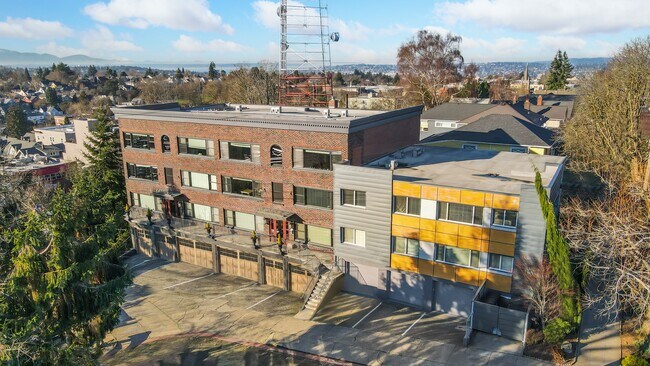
276, 214
167, 195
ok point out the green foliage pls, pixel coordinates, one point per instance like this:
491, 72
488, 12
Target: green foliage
556, 330
483, 89
634, 360
558, 254
17, 123
559, 71
51, 97
92, 71
212, 72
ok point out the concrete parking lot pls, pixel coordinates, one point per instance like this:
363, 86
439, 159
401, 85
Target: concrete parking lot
183, 301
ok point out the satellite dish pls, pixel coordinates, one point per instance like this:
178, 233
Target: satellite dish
335, 36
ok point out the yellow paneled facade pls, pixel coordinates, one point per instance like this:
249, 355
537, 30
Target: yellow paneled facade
483, 239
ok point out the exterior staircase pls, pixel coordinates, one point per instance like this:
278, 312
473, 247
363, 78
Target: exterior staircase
328, 284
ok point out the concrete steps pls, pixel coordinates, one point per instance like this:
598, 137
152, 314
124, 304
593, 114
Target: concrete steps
325, 288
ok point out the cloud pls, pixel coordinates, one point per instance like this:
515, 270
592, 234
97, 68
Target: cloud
186, 43
476, 49
59, 50
550, 16
188, 15
102, 39
351, 31
29, 28
562, 42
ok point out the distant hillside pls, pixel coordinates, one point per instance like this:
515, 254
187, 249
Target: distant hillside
15, 58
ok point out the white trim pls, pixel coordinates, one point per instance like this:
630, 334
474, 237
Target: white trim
365, 316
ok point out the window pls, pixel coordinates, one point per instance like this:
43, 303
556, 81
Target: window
319, 235
239, 151
457, 256
198, 180
142, 171
201, 212
460, 213
169, 176
138, 140
469, 147
300, 232
406, 246
312, 197
278, 192
244, 187
353, 198
353, 236
276, 155
500, 263
145, 201
407, 205
166, 145
519, 149
504, 218
239, 219
195, 146
315, 159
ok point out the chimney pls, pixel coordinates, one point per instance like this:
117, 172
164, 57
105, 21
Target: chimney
527, 104
539, 100
514, 99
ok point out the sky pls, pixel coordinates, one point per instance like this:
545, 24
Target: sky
371, 31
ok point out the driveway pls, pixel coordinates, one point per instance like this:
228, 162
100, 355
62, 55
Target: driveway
226, 316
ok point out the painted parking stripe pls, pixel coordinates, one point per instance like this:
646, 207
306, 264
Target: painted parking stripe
141, 263
415, 322
188, 281
365, 316
261, 301
232, 292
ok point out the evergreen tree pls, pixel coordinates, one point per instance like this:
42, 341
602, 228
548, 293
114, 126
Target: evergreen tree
179, 74
17, 123
28, 77
559, 71
92, 71
212, 72
51, 96
483, 89
567, 67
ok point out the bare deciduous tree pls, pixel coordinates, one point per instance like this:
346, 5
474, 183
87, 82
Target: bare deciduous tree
541, 288
428, 62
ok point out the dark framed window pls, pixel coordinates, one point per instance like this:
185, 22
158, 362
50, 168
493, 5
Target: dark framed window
138, 141
244, 187
142, 171
460, 213
457, 256
278, 192
505, 218
166, 144
312, 197
316, 159
407, 205
406, 246
276, 155
169, 176
351, 197
199, 180
501, 263
193, 146
239, 151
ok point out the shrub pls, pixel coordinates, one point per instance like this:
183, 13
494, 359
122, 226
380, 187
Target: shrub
556, 330
634, 360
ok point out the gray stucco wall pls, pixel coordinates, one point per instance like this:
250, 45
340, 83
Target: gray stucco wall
453, 298
374, 219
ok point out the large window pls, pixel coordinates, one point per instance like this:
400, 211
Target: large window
201, 212
169, 176
278, 192
312, 197
407, 205
501, 263
505, 218
142, 171
146, 201
406, 246
353, 198
319, 235
195, 146
138, 140
315, 159
460, 213
457, 256
239, 151
239, 219
244, 187
353, 236
198, 180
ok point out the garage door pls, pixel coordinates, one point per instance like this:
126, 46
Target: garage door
166, 247
299, 279
274, 271
248, 266
229, 262
186, 250
199, 254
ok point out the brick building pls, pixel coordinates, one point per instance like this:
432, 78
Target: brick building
261, 168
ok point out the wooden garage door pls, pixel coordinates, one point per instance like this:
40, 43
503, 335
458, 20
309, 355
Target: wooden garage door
203, 255
248, 266
229, 262
274, 272
143, 241
166, 247
186, 250
299, 279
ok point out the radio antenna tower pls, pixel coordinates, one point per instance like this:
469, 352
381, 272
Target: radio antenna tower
305, 62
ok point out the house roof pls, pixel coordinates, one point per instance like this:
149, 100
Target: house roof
550, 111
455, 111
499, 129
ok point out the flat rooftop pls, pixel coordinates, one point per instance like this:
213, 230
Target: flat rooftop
62, 128
266, 116
481, 170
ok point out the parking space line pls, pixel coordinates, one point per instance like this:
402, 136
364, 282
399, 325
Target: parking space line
415, 322
188, 281
232, 292
365, 316
141, 263
261, 301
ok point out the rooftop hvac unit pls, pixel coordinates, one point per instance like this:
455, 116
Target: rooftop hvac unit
239, 107
276, 110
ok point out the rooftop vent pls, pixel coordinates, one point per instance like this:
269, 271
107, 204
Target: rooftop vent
239, 107
276, 110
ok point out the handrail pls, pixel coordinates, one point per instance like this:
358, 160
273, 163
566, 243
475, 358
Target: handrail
312, 284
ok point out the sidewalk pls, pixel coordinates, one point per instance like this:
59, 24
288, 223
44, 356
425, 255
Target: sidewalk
600, 337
